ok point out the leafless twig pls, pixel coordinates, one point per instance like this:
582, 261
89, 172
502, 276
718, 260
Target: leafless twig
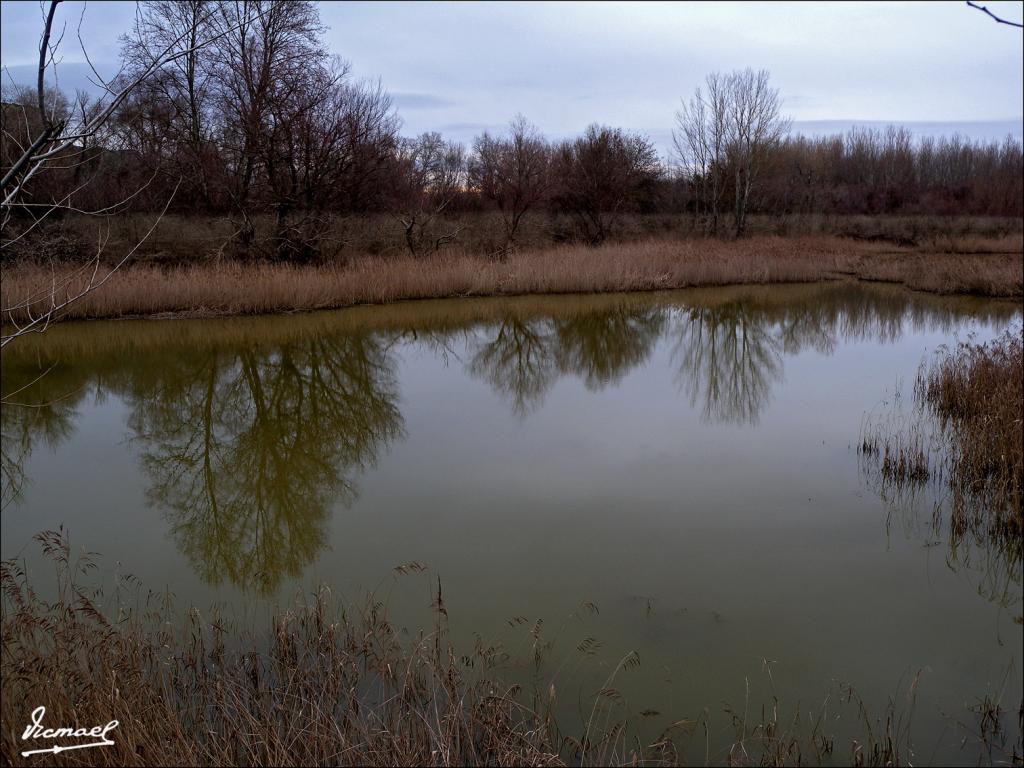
36, 321
989, 13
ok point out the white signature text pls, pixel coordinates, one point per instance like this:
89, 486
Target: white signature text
36, 731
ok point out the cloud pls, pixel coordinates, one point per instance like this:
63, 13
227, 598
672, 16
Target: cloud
565, 65
413, 101
470, 127
71, 76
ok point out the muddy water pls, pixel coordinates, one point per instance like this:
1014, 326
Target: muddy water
673, 474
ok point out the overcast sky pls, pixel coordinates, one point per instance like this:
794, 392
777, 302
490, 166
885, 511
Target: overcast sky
463, 67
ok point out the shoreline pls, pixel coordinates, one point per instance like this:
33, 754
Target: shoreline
203, 314
134, 336
143, 290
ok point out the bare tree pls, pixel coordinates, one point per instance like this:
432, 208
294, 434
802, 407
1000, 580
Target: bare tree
175, 102
512, 171
62, 138
600, 175
296, 154
22, 122
334, 141
755, 127
59, 135
274, 70
430, 172
367, 127
264, 122
699, 139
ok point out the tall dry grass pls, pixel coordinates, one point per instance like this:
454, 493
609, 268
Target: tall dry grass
995, 275
902, 456
331, 685
230, 288
326, 685
964, 439
977, 393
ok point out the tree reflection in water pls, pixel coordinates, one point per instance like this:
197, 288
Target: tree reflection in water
246, 452
728, 356
602, 347
519, 362
728, 359
249, 437
40, 406
525, 357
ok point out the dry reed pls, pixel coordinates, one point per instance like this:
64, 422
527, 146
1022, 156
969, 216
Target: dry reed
231, 288
902, 456
330, 685
977, 393
964, 439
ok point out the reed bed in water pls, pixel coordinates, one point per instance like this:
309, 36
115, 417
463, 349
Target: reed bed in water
321, 687
903, 456
964, 436
976, 391
330, 685
233, 288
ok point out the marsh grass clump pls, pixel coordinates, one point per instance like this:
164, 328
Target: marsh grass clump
900, 455
976, 391
907, 466
962, 442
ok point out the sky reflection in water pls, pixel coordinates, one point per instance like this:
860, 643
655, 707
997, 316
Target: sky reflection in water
684, 461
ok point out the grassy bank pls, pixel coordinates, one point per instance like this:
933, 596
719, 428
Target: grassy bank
333, 684
837, 309
230, 288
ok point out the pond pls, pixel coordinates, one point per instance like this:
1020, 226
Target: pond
674, 474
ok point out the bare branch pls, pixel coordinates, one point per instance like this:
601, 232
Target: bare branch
60, 142
998, 19
44, 49
38, 323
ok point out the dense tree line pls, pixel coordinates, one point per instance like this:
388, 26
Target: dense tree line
871, 171
263, 122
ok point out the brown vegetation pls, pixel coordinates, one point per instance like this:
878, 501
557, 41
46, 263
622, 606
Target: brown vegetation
237, 121
331, 684
903, 458
185, 239
228, 287
977, 393
241, 111
965, 440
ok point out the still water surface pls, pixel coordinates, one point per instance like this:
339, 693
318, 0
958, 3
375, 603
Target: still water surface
685, 462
